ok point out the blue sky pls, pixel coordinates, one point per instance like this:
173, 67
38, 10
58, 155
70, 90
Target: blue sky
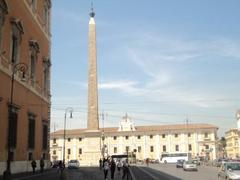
159, 61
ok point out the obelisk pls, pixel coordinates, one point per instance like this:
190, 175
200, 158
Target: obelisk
93, 122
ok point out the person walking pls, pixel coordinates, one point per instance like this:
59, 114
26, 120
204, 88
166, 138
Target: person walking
125, 170
105, 168
34, 165
100, 163
112, 168
41, 165
119, 166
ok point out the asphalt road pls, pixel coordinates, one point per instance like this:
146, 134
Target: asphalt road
170, 172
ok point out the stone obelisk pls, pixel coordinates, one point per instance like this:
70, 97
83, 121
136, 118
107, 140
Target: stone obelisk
93, 122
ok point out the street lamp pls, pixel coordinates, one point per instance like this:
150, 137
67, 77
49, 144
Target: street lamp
70, 110
21, 67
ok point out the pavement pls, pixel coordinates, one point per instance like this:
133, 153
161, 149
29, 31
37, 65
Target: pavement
83, 173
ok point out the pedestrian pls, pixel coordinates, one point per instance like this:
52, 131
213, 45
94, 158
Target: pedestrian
34, 165
112, 168
119, 166
125, 170
147, 161
105, 168
41, 165
100, 163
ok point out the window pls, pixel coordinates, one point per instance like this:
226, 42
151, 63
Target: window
17, 31
13, 121
163, 136
80, 151
46, 14
206, 135
115, 150
207, 146
127, 148
14, 49
44, 156
139, 137
139, 149
69, 151
176, 147
80, 139
54, 140
176, 135
151, 136
69, 139
189, 147
126, 137
3, 12
31, 131
34, 5
189, 134
54, 152
45, 137
34, 49
46, 74
115, 137
30, 156
164, 148
151, 148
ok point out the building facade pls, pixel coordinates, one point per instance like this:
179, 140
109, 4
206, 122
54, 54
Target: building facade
25, 42
232, 143
144, 141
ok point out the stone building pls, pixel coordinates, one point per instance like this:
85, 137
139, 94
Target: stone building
25, 42
147, 141
232, 143
232, 137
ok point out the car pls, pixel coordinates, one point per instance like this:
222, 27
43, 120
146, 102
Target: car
229, 170
55, 164
219, 162
73, 164
189, 166
179, 163
196, 161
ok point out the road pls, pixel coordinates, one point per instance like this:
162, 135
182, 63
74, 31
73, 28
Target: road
170, 172
153, 172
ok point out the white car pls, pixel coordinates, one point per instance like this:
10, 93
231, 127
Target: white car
189, 166
230, 171
73, 164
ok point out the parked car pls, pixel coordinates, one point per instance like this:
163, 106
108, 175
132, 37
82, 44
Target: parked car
179, 163
219, 162
189, 166
73, 164
229, 170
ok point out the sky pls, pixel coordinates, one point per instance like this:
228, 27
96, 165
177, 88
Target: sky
161, 62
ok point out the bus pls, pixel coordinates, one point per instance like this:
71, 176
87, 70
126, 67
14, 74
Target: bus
173, 157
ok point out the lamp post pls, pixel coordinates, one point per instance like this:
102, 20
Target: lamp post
70, 110
22, 67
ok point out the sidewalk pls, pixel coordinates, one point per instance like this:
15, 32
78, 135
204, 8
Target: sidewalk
22, 175
83, 173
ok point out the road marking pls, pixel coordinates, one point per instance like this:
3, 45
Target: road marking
154, 177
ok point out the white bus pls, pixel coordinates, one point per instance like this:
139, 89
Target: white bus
173, 157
